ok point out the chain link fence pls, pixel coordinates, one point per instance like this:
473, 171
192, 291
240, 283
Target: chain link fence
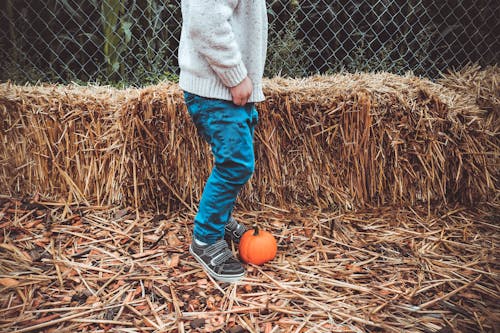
135, 42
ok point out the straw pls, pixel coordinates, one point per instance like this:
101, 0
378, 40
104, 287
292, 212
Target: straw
390, 269
346, 140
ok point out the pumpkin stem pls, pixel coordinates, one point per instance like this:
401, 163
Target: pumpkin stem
255, 231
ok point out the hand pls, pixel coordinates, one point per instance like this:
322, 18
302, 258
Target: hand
242, 92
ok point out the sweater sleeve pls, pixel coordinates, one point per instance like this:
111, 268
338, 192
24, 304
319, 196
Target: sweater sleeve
213, 37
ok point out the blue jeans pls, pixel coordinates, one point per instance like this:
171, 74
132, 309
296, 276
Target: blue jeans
229, 129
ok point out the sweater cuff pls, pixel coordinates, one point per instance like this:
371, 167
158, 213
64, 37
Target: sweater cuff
233, 76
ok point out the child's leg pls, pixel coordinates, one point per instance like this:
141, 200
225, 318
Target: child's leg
229, 130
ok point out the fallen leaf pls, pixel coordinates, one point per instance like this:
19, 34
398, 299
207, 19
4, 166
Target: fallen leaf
202, 283
354, 268
197, 323
237, 329
173, 261
9, 282
172, 239
92, 299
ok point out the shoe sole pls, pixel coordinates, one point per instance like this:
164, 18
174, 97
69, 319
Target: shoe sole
222, 278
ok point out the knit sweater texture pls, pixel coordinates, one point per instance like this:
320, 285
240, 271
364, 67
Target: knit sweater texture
222, 42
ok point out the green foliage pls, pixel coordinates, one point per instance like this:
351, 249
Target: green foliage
135, 42
286, 54
130, 42
116, 34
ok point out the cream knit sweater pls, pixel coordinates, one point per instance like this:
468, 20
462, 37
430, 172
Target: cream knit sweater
222, 42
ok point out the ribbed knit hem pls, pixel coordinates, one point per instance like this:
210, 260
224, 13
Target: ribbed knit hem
233, 76
213, 88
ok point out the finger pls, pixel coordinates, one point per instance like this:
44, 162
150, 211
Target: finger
246, 99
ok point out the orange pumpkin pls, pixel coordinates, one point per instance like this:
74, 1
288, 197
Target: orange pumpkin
257, 246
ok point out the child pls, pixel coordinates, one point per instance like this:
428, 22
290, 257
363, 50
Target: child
221, 56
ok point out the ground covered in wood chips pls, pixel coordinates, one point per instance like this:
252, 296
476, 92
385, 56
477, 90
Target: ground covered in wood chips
66, 268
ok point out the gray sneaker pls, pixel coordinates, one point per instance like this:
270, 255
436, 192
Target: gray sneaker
218, 260
234, 230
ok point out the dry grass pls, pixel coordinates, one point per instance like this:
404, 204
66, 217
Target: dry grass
352, 140
72, 269
418, 160
481, 85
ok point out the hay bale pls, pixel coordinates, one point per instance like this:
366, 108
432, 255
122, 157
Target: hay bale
61, 142
370, 139
345, 140
481, 85
164, 161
